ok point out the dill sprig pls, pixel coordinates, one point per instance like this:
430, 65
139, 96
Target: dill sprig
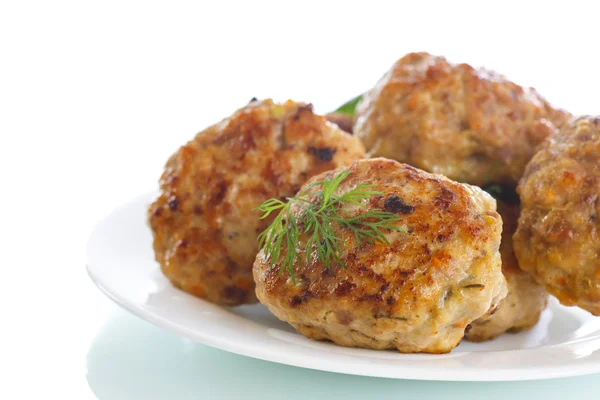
317, 218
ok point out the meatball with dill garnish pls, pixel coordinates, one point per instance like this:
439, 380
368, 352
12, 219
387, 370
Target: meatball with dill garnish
382, 255
204, 223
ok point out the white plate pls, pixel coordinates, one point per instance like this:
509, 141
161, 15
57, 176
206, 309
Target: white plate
565, 342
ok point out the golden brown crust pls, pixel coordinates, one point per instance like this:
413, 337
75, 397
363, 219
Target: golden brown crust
417, 294
204, 226
526, 299
471, 125
558, 237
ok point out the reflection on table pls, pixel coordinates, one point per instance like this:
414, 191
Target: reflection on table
132, 359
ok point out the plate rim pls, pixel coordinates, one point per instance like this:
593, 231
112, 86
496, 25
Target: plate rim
395, 372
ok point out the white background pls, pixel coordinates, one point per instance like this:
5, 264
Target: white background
94, 96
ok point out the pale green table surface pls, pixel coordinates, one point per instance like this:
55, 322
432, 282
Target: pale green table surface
132, 359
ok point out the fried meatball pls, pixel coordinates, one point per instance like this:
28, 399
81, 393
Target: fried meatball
471, 125
204, 223
558, 236
416, 294
526, 299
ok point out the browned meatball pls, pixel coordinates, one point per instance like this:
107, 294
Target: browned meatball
204, 223
526, 299
471, 125
558, 237
416, 294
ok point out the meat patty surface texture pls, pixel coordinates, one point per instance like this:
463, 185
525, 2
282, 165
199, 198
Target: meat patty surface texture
204, 221
526, 299
416, 294
472, 125
558, 236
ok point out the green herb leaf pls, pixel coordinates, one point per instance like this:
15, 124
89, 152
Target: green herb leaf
494, 190
474, 286
503, 193
349, 108
317, 219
